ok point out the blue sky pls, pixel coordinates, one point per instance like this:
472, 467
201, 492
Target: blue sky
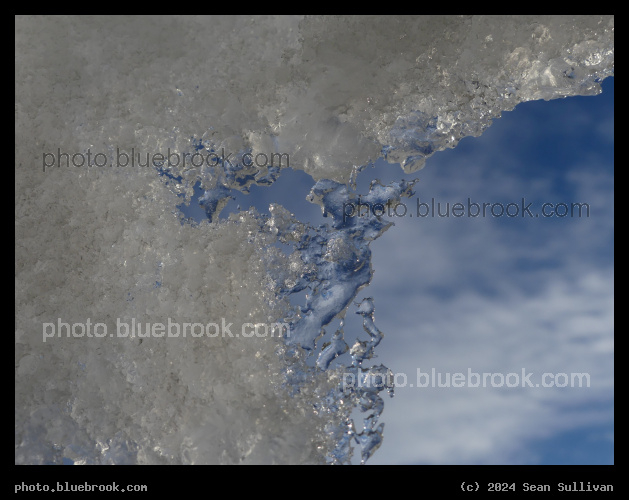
502, 294
497, 294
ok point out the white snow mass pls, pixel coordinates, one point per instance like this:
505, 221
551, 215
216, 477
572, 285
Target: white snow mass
107, 264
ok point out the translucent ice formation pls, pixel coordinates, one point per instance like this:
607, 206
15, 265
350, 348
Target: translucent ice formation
106, 245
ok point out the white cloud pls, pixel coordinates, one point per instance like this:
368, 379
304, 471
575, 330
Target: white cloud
565, 328
497, 295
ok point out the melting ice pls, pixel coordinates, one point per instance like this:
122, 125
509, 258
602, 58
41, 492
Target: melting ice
110, 244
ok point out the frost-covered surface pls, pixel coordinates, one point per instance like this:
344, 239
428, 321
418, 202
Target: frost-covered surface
108, 244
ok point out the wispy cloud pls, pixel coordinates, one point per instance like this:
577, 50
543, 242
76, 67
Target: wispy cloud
500, 295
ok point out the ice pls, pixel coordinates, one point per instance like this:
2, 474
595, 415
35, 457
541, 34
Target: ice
109, 245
